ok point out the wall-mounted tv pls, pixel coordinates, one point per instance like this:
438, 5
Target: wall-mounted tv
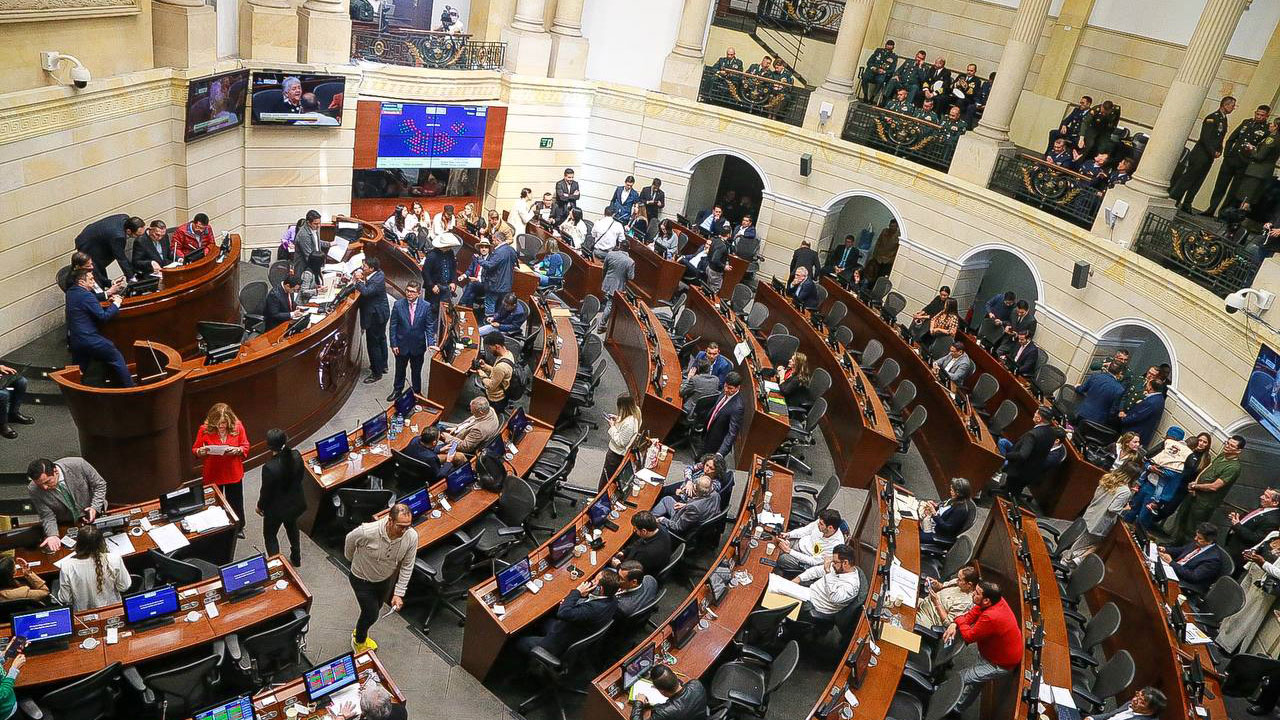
215, 104
1262, 393
290, 98
431, 136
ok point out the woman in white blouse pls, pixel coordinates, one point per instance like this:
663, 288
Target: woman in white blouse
92, 577
523, 210
1236, 633
573, 229
623, 430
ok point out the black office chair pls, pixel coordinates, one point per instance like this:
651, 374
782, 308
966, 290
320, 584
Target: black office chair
879, 290
507, 524
690, 429
885, 376
1083, 642
626, 627
1224, 599
803, 434
278, 271
527, 247
1086, 575
894, 303
916, 420
180, 572
355, 506
9, 608
180, 687
764, 628
1244, 674
560, 674
740, 298
704, 537
806, 504
270, 652
1092, 690
943, 700
984, 388
945, 564
835, 314
870, 355
406, 474
1002, 417
253, 302
90, 698
756, 318
1048, 379
1058, 542
819, 384
844, 338
445, 569
903, 395
677, 557
26, 536
584, 321
747, 682
780, 347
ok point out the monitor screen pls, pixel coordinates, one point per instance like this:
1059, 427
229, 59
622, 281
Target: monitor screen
460, 479
143, 606
637, 666
240, 708
599, 511
418, 502
411, 135
215, 104
405, 403
1262, 393
374, 429
290, 98
246, 573
518, 425
497, 448
43, 625
744, 544
330, 677
562, 546
331, 448
513, 577
685, 623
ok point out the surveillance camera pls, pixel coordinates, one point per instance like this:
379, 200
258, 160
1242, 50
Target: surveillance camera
50, 60
80, 76
1239, 300
1236, 301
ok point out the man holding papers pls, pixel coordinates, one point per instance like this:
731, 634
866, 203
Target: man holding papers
65, 492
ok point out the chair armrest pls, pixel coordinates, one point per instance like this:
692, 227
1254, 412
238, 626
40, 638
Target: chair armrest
30, 709
1081, 658
918, 678
758, 655
1073, 615
234, 650
933, 633
738, 697
1093, 700
545, 657
510, 531
134, 679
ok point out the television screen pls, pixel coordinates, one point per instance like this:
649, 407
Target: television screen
330, 677
288, 98
215, 104
1262, 394
431, 136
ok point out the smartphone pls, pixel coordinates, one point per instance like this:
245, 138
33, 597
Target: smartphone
16, 645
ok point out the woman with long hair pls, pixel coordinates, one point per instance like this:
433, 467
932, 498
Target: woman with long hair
21, 584
222, 446
573, 229
793, 381
1173, 494
1109, 500
91, 577
667, 242
551, 266
946, 322
281, 501
624, 428
943, 522
1128, 449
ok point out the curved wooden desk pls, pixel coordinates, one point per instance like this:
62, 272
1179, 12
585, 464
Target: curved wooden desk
605, 699
557, 364
856, 424
397, 264
276, 698
947, 443
207, 289
524, 281
448, 375
657, 278
637, 356
733, 274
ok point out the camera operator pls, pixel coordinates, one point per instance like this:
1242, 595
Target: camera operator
496, 378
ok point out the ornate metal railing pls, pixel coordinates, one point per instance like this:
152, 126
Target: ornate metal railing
808, 17
754, 94
418, 48
1056, 190
1221, 265
901, 135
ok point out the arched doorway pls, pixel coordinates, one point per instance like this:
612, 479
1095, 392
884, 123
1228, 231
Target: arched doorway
731, 181
866, 218
988, 271
1146, 346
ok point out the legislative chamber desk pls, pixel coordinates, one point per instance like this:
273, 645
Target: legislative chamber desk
876, 684
947, 444
277, 698
657, 278
398, 265
487, 633
761, 432
524, 281
63, 666
647, 358
217, 545
140, 438
556, 366
207, 289
856, 425
1145, 631
605, 698
1063, 494
448, 375
583, 277
733, 273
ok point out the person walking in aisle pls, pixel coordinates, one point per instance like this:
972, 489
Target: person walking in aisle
280, 501
378, 552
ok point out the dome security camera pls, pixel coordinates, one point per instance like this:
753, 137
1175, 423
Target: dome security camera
51, 60
1239, 300
80, 76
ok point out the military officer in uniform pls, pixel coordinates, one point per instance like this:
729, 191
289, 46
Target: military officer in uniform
900, 103
965, 89
908, 77
876, 73
1235, 159
1200, 160
730, 61
761, 67
953, 127
1060, 154
1262, 162
1069, 128
927, 113
1095, 130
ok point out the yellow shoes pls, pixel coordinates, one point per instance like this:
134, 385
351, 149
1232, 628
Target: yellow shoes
365, 646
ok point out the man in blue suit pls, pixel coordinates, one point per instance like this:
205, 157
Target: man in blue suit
720, 366
84, 317
411, 319
1143, 416
509, 319
725, 420
624, 199
499, 272
372, 286
280, 307
803, 290
1102, 392
583, 611
1197, 563
1023, 357
104, 241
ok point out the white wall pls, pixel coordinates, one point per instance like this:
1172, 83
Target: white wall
630, 40
1173, 22
1055, 7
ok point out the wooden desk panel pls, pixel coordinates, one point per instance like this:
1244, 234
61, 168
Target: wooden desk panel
583, 277
733, 273
657, 278
552, 382
524, 281
633, 351
275, 699
448, 376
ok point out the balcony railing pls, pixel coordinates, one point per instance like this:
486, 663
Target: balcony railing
808, 17
754, 94
1056, 190
1219, 264
419, 48
901, 135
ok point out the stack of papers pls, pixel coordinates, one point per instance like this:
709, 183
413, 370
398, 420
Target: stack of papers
207, 519
779, 585
903, 584
168, 538
650, 693
338, 249
771, 519
120, 544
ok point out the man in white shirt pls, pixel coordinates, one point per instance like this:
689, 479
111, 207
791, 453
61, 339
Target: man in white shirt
810, 545
443, 222
607, 232
1147, 704
832, 585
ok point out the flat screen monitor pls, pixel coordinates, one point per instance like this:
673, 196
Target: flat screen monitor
1262, 393
599, 511
638, 665
221, 341
150, 605
518, 425
718, 584
290, 98
562, 547
185, 500
685, 624
418, 502
244, 575
405, 404
240, 708
460, 480
328, 678
412, 135
215, 104
374, 429
43, 626
297, 326
332, 448
497, 448
744, 545
513, 578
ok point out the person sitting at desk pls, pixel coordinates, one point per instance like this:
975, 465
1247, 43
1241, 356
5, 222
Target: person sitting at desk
725, 419
808, 546
471, 434
550, 268
374, 702
223, 430
833, 584
714, 223
497, 225
24, 586
91, 577
948, 600
717, 262
1023, 357
667, 241
991, 625
280, 501
1021, 320
151, 250
64, 493
425, 449
84, 317
843, 258
698, 383
1198, 563
744, 231
81, 260
280, 307
1251, 528
13, 390
496, 378
794, 379
379, 552
636, 588
583, 611
957, 364
718, 365
411, 329
473, 279
308, 245
193, 236
709, 466
1147, 704
606, 234
941, 524
574, 229
509, 319
650, 544
402, 228
945, 323
684, 700
682, 518
802, 290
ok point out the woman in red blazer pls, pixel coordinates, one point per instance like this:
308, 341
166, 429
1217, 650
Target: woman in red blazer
222, 428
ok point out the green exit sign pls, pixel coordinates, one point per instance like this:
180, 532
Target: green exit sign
546, 143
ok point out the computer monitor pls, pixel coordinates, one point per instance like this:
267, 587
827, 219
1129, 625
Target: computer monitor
518, 425
44, 630
418, 502
151, 607
497, 448
638, 665
333, 448
562, 547
513, 578
195, 255
460, 481
743, 548
108, 523
374, 429
405, 403
298, 325
27, 536
685, 624
244, 578
599, 511
718, 583
323, 680
142, 287
185, 500
240, 708
221, 341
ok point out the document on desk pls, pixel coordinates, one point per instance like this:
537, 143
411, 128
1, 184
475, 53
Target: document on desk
1062, 696
208, 519
1196, 636
646, 689
168, 537
779, 585
649, 476
903, 584
904, 639
338, 249
120, 544
349, 695
906, 506
741, 351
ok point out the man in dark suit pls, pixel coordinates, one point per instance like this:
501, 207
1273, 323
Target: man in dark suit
583, 611
1251, 528
726, 417
1022, 358
803, 290
804, 256
1143, 416
567, 195
410, 320
104, 241
374, 310
653, 199
151, 250
841, 259
1020, 319
280, 306
1025, 459
84, 316
650, 546
1198, 563
1102, 392
624, 199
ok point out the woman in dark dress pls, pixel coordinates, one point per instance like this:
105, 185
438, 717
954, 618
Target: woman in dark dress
281, 501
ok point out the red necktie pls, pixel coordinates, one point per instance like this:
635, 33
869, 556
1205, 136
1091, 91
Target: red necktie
1188, 558
723, 399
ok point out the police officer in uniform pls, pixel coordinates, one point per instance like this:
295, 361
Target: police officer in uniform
1235, 158
1200, 160
1069, 128
879, 67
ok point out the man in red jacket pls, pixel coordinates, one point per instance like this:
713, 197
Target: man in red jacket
990, 624
192, 237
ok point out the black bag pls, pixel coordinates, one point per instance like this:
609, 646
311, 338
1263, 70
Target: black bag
521, 378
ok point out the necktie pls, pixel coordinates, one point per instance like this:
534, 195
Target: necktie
411, 313
1188, 558
723, 399
64, 494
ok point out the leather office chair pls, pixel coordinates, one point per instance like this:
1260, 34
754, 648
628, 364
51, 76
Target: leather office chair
807, 501
748, 682
1101, 627
253, 302
903, 396
180, 572
445, 569
1092, 690
91, 698
356, 506
1002, 417
1224, 599
270, 652
560, 674
407, 474
180, 688
740, 298
835, 314
506, 525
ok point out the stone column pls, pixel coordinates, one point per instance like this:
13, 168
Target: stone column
324, 32
1064, 39
976, 153
184, 33
568, 47
1178, 116
840, 86
268, 30
682, 72
528, 44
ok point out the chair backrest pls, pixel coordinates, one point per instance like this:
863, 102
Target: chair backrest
566, 262
780, 348
822, 296
741, 298
844, 336
1224, 599
757, 317
174, 570
516, 503
685, 322
279, 645
253, 297
894, 303
456, 564
1049, 378
872, 353
815, 414
779, 329
986, 326
677, 555
881, 288
820, 383
1085, 577
9, 608
588, 309
902, 397
938, 347
358, 505
919, 414
747, 247
278, 271
1068, 537
991, 335
1228, 564
960, 554
187, 687
837, 313
1101, 626
592, 348
708, 533
826, 495
91, 698
1066, 401
1114, 675
1000, 419
579, 653
887, 373
945, 700
528, 247
983, 390
784, 663
763, 626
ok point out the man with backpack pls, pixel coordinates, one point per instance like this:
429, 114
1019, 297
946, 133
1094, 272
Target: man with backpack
498, 378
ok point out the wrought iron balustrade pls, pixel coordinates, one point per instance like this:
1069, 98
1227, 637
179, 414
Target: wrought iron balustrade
1220, 264
807, 17
754, 94
902, 135
419, 48
1053, 189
